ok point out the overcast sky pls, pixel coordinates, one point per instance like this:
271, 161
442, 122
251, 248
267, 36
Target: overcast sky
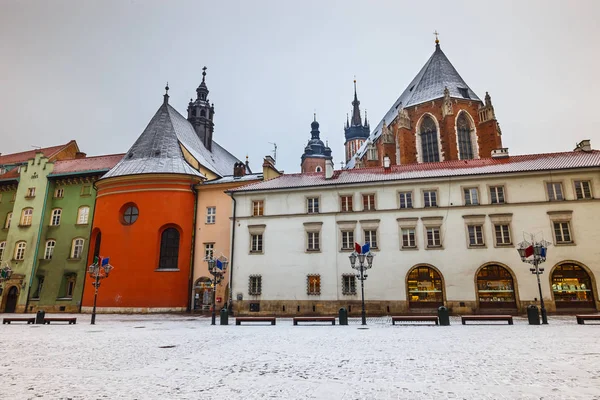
95, 71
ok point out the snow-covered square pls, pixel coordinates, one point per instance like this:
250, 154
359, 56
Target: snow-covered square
184, 357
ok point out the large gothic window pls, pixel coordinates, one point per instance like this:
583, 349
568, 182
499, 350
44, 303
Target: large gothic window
429, 140
463, 128
169, 249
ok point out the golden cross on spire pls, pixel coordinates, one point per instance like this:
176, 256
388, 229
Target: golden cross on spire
437, 40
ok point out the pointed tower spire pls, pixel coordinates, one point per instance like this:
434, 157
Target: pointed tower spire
356, 120
166, 95
437, 40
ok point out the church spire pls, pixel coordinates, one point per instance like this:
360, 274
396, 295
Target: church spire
356, 120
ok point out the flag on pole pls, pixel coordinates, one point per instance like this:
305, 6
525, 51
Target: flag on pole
105, 261
357, 248
96, 260
220, 264
543, 252
529, 251
366, 247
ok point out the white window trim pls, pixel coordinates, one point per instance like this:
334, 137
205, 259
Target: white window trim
408, 223
74, 246
256, 230
433, 222
353, 203
80, 213
502, 219
562, 188
437, 197
52, 215
489, 193
574, 185
17, 248
412, 199
469, 188
561, 217
312, 227
308, 199
252, 201
47, 247
209, 215
362, 200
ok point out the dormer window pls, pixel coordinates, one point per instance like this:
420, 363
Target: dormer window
464, 92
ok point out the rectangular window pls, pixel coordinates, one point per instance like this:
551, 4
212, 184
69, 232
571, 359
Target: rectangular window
82, 215
209, 249
86, 190
347, 240
471, 196
502, 235
313, 286
27, 217
20, 250
430, 198
349, 284
583, 190
555, 192
497, 194
562, 232
255, 285
408, 238
30, 192
256, 245
313, 241
433, 237
38, 289
211, 215
59, 193
372, 153
70, 286
258, 207
55, 218
49, 251
312, 205
371, 238
77, 248
405, 199
475, 235
346, 203
368, 202
7, 220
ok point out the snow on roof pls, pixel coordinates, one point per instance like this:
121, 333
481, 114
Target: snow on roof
456, 168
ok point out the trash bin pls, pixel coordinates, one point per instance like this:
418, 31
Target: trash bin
39, 317
343, 316
444, 316
533, 315
224, 316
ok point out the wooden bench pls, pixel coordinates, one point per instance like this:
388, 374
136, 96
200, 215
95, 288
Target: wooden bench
70, 320
414, 318
239, 320
581, 318
16, 319
507, 318
314, 319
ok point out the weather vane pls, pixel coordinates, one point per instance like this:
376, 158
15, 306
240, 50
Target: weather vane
437, 40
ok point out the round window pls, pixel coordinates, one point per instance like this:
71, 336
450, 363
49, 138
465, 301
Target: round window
130, 215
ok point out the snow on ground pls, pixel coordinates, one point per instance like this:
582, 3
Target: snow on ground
183, 357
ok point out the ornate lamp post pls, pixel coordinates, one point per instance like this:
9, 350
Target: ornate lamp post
5, 274
98, 270
217, 267
535, 253
361, 267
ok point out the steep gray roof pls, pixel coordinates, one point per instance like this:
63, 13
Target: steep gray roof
157, 149
429, 84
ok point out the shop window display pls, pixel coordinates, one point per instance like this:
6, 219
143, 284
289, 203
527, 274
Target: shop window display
572, 287
495, 288
425, 288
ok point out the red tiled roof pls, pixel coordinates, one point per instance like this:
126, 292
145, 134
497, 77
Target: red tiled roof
17, 158
484, 166
87, 164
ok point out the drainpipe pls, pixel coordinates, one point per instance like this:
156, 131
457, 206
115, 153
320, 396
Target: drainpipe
192, 263
37, 245
232, 254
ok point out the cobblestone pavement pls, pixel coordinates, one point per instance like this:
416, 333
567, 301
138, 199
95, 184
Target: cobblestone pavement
183, 357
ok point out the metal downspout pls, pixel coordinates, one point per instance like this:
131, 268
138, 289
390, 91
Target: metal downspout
192, 261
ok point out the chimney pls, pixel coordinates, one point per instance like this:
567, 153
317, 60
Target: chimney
269, 170
500, 153
386, 162
584, 145
328, 169
239, 169
79, 155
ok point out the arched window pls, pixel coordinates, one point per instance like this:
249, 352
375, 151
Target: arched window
194, 112
49, 251
83, 215
55, 218
463, 130
20, 250
7, 220
572, 287
77, 248
425, 288
429, 140
26, 216
318, 169
495, 288
202, 113
97, 244
169, 249
2, 247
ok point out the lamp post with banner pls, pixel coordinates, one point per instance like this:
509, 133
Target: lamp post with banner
217, 267
534, 253
97, 271
362, 253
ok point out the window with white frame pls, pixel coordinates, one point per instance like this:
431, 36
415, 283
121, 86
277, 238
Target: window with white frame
405, 199
255, 285
209, 250
26, 216
502, 232
312, 205
55, 217
49, 250
348, 284
20, 250
2, 248
30, 192
371, 237
313, 285
312, 243
7, 220
430, 198
211, 214
475, 235
471, 196
347, 240
372, 152
555, 191
256, 243
434, 238
59, 193
497, 194
562, 232
583, 190
258, 207
77, 248
83, 215
368, 202
408, 238
346, 203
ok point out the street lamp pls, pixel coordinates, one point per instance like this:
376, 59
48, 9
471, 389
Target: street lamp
217, 267
535, 253
5, 274
361, 267
98, 270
